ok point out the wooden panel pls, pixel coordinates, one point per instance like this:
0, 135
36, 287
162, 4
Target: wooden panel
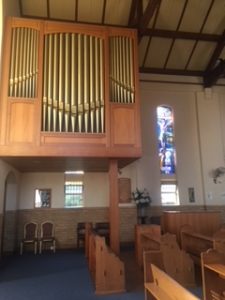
123, 125
59, 138
204, 222
21, 122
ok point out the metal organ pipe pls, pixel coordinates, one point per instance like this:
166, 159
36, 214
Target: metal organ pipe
73, 98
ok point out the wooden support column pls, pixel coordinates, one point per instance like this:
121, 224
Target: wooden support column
114, 206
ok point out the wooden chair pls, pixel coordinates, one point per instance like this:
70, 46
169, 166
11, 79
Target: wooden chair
80, 233
29, 236
47, 237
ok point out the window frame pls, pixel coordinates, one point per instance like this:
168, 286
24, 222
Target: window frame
74, 182
174, 193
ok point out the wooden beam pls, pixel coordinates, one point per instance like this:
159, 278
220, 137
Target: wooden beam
217, 52
171, 71
21, 8
132, 16
103, 12
181, 35
148, 14
211, 76
114, 206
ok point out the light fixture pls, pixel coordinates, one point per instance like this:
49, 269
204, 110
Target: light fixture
80, 172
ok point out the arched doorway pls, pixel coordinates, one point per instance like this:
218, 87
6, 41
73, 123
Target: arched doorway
8, 241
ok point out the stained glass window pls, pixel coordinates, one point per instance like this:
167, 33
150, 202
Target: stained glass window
165, 134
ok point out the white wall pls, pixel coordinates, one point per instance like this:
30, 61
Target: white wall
211, 111
198, 113
95, 189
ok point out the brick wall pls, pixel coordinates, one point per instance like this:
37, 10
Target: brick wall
66, 222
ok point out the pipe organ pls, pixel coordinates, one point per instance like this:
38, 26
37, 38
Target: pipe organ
69, 84
73, 86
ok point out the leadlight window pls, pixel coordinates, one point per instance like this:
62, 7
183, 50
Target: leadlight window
73, 190
169, 193
167, 155
165, 134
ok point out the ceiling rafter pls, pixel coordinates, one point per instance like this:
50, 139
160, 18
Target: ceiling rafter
21, 7
132, 16
217, 52
103, 12
147, 15
48, 9
185, 35
216, 65
171, 71
211, 77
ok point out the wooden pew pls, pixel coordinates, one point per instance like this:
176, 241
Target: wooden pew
164, 287
146, 237
203, 222
170, 258
194, 243
106, 269
213, 275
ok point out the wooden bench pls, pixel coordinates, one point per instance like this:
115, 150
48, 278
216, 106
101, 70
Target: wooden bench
164, 287
106, 269
213, 275
171, 259
146, 237
195, 243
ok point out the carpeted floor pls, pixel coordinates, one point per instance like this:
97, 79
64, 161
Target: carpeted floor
63, 275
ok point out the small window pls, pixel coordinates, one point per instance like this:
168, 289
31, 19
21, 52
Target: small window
169, 194
73, 190
73, 193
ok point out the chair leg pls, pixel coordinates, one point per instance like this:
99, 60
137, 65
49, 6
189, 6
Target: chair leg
35, 248
40, 247
21, 248
54, 246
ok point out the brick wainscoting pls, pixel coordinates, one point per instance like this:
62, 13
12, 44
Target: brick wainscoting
66, 222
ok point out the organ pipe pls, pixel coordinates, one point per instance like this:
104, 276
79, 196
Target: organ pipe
73, 77
121, 69
23, 63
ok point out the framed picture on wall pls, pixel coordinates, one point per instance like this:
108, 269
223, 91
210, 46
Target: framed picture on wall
124, 190
42, 198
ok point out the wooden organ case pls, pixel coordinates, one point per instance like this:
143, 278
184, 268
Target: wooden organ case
69, 90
